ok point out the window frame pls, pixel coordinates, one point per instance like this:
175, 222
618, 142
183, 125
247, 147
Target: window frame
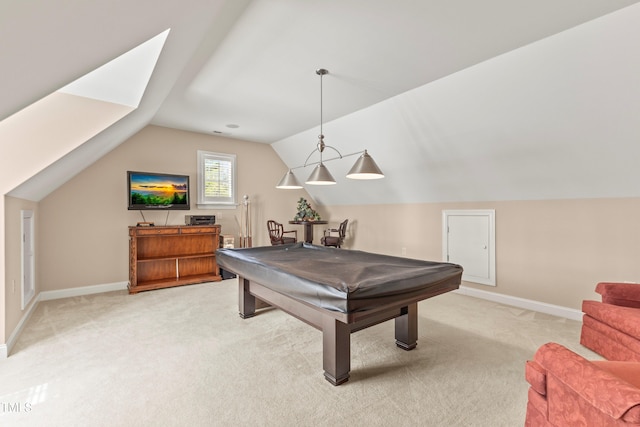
210, 202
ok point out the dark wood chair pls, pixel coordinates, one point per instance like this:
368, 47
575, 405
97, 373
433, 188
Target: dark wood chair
330, 240
277, 233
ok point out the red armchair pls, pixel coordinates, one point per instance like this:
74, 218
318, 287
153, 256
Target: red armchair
568, 390
611, 328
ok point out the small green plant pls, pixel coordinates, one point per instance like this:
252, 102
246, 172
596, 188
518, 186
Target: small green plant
305, 212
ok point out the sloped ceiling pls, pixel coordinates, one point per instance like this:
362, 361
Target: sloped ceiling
456, 100
557, 119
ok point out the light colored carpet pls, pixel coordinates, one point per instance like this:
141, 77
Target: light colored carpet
183, 356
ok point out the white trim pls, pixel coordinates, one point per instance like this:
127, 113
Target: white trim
27, 294
203, 200
554, 310
85, 290
234, 206
5, 349
490, 214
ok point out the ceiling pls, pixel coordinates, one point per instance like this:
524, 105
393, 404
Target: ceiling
457, 100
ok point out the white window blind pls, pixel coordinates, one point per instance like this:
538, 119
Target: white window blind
216, 179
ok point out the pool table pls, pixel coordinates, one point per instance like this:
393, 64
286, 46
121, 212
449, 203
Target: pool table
338, 291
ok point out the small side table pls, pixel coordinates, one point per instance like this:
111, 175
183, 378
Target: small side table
308, 228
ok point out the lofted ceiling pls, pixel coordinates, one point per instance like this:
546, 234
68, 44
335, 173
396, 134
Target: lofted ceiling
457, 100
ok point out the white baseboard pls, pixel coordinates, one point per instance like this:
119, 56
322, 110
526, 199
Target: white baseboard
85, 290
5, 349
554, 310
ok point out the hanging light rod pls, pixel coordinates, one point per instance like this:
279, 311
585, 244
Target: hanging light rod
364, 168
320, 174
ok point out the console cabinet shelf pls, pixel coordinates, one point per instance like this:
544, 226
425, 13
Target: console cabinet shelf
162, 257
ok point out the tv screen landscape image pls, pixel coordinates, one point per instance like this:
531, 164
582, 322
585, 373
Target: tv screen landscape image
149, 190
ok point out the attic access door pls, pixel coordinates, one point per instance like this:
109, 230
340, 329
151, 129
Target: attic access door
468, 239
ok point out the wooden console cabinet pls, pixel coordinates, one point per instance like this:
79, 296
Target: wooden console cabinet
162, 257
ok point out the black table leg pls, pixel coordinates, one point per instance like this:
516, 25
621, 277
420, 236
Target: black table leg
308, 233
336, 350
407, 327
246, 301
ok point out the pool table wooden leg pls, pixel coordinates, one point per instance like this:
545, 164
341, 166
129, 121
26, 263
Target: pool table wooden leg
246, 301
336, 350
407, 327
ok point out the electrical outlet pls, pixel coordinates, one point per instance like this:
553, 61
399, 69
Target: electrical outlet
404, 251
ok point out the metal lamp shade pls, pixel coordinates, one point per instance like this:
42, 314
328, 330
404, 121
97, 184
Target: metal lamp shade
365, 168
289, 182
320, 176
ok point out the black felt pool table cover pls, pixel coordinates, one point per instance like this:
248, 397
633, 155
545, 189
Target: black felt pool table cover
338, 279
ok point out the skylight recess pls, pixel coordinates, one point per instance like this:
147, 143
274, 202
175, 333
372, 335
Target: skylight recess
124, 79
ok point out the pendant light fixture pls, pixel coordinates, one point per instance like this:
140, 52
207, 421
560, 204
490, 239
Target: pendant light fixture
289, 182
364, 168
320, 174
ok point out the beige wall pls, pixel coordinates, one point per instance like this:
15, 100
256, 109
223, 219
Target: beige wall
36, 152
83, 225
4, 329
47, 130
13, 260
548, 251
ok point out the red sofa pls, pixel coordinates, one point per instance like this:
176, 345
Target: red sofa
611, 328
568, 390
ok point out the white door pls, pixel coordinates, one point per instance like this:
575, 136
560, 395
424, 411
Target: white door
28, 282
469, 240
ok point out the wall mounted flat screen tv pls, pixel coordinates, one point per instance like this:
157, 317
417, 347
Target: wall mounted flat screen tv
156, 191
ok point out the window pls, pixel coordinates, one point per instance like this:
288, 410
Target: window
216, 180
